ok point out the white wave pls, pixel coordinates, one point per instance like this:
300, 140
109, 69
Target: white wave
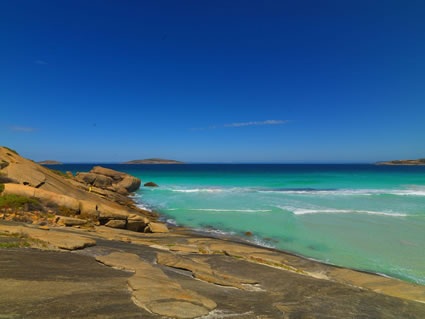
141, 206
198, 190
232, 210
171, 222
301, 211
215, 231
351, 192
413, 190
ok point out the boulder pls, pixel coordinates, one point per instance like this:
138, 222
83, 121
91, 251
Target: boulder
95, 179
106, 178
87, 178
70, 221
150, 184
136, 222
69, 174
115, 175
114, 223
156, 228
130, 183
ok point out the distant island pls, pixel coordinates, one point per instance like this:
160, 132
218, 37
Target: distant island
420, 161
50, 163
154, 161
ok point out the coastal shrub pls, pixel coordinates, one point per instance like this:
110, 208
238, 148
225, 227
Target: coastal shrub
1, 188
59, 173
17, 201
13, 151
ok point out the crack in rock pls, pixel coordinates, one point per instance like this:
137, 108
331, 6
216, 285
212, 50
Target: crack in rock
155, 292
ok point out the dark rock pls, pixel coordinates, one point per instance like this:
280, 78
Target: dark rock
248, 233
150, 184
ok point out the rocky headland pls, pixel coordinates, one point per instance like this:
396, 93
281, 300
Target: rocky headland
420, 161
78, 247
153, 161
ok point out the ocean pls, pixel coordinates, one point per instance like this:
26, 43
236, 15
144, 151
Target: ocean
366, 217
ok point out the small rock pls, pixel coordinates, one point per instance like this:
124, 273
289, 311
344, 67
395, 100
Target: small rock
150, 184
69, 221
156, 228
44, 227
248, 233
116, 223
69, 174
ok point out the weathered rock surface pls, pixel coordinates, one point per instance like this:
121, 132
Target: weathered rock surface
155, 291
203, 271
53, 239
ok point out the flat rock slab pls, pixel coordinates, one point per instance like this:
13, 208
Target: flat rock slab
38, 284
53, 239
155, 291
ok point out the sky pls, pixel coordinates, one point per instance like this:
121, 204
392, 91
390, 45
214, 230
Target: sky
213, 81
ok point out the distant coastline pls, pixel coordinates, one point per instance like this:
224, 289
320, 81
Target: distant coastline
420, 161
154, 161
49, 162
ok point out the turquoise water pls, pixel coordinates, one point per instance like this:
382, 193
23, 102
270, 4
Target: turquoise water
360, 216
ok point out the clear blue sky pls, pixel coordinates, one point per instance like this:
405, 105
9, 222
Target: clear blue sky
208, 81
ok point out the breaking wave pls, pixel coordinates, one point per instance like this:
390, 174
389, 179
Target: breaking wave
302, 211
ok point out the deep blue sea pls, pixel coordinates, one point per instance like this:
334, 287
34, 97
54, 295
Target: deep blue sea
360, 216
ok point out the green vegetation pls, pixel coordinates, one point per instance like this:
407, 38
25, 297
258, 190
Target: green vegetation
16, 201
59, 173
15, 244
1, 188
18, 240
13, 151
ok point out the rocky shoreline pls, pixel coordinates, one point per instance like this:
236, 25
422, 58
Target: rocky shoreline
79, 247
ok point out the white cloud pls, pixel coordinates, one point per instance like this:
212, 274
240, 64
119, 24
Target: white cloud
242, 124
22, 129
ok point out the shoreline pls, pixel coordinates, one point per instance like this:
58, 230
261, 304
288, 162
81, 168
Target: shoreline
240, 239
176, 272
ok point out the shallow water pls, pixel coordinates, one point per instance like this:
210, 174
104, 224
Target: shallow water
361, 216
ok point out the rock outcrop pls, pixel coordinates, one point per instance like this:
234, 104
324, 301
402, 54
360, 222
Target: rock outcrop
109, 179
100, 196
